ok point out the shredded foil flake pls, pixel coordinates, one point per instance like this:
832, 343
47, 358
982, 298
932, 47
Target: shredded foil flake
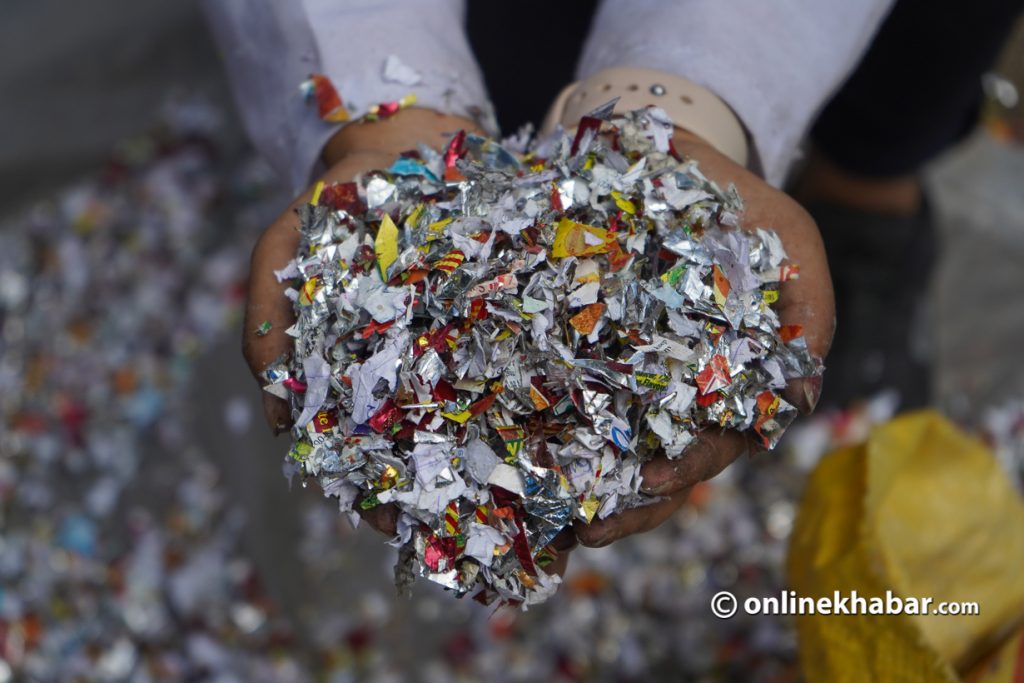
319, 89
496, 342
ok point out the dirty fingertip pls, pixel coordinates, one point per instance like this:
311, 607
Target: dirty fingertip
277, 414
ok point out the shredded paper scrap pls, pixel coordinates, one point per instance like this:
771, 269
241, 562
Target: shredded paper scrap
496, 338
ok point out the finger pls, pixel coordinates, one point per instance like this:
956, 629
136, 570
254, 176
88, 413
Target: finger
383, 518
561, 546
267, 304
808, 301
277, 413
602, 532
558, 565
564, 541
711, 453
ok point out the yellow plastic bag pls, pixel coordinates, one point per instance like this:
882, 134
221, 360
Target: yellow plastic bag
921, 510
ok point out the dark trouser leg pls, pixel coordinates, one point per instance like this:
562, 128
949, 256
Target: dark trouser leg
916, 92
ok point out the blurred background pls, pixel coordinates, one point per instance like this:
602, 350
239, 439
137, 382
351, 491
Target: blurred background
147, 532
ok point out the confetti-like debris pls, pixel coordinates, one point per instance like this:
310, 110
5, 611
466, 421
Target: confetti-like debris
318, 88
397, 71
522, 334
116, 562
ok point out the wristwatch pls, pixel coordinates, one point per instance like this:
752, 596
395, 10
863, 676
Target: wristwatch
690, 106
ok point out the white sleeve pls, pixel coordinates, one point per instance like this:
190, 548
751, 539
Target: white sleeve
775, 62
271, 46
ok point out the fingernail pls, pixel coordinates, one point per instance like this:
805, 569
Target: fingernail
812, 392
588, 536
276, 413
565, 544
664, 484
658, 489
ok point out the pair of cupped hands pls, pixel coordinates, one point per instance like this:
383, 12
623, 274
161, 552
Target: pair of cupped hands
805, 301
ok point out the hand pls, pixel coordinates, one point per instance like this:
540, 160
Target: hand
805, 301
355, 149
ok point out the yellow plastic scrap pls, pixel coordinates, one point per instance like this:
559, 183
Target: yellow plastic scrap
921, 510
309, 290
435, 231
589, 508
459, 417
315, 199
540, 401
623, 203
721, 286
579, 239
414, 216
386, 246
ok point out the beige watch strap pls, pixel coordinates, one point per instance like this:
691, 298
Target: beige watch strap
691, 106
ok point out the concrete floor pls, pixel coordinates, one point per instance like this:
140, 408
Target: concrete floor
977, 309
79, 78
